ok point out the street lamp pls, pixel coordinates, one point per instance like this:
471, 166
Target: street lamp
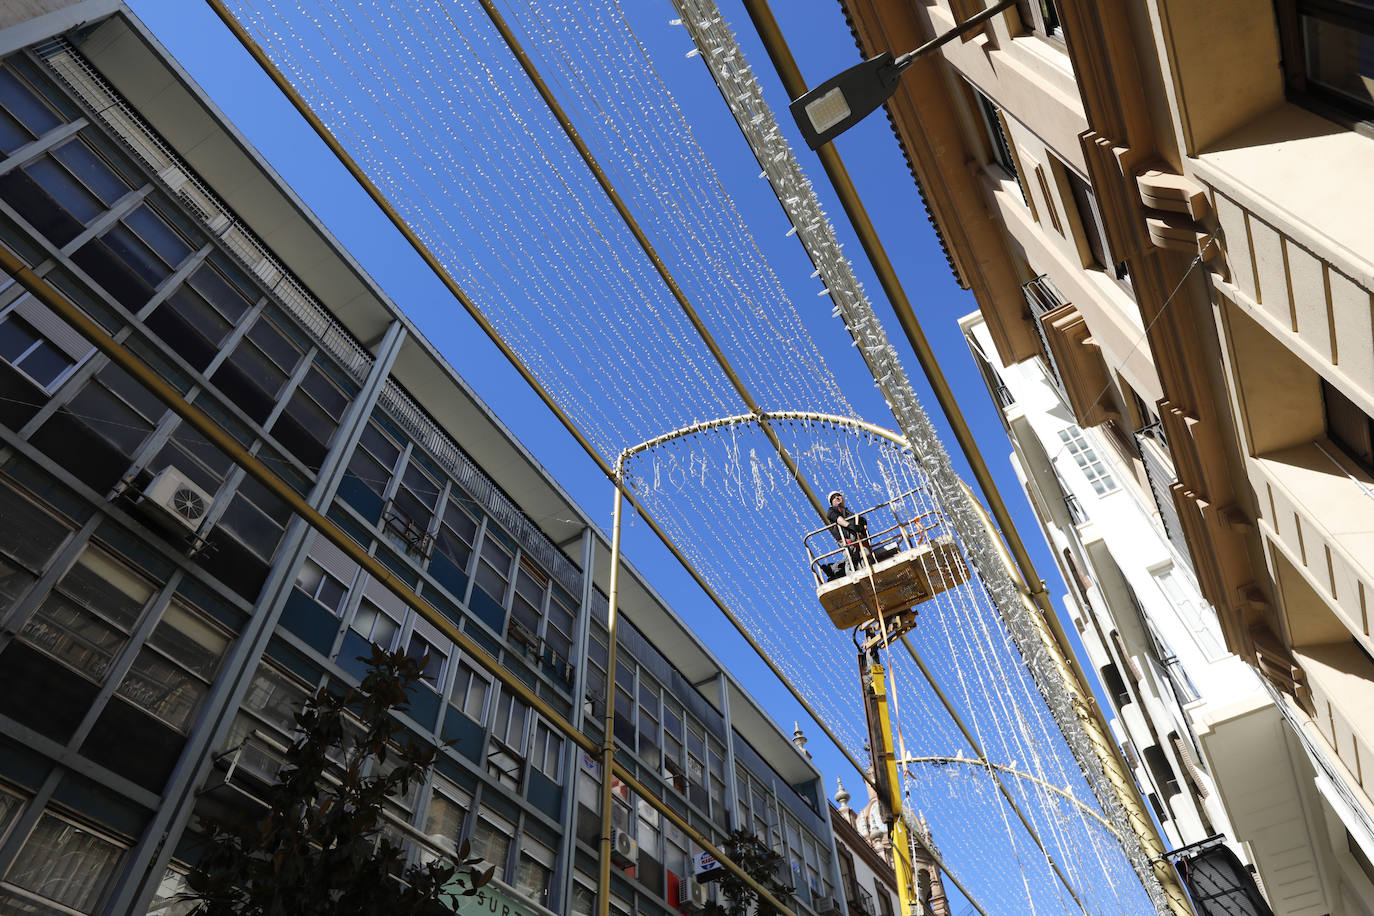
846, 99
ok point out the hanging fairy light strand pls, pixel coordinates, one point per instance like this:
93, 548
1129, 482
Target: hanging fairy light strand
428, 100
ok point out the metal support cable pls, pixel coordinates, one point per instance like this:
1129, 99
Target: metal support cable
389, 211
202, 423
1043, 649
545, 93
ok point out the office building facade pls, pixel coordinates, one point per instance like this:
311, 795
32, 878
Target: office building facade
162, 612
1163, 205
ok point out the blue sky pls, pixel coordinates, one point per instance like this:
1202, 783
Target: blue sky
822, 43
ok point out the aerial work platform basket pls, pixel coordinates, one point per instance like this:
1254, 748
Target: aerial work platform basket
890, 572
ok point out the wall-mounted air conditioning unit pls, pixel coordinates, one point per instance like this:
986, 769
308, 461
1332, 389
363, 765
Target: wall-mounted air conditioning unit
175, 494
693, 896
624, 849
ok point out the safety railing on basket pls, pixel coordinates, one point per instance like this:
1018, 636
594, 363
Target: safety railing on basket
912, 525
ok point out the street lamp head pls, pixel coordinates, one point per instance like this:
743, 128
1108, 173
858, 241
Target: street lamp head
846, 99
843, 101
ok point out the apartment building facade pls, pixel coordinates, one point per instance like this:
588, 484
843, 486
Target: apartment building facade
162, 611
867, 875
1164, 205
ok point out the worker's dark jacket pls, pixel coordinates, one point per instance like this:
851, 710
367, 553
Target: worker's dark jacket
858, 525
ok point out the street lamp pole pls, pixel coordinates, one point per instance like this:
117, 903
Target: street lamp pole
847, 98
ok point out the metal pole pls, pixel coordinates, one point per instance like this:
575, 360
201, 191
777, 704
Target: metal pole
1099, 734
662, 269
1043, 613
352, 167
963, 28
130, 362
603, 884
1021, 774
983, 761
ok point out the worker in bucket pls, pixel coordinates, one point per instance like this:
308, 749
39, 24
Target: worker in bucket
850, 530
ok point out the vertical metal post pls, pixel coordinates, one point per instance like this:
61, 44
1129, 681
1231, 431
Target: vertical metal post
603, 883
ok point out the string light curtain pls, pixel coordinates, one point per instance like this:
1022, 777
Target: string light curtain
429, 101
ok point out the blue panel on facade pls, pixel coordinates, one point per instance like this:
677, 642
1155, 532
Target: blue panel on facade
488, 610
101, 804
486, 641
353, 654
357, 532
294, 661
21, 765
424, 705
356, 493
466, 736
402, 568
310, 621
545, 794
449, 576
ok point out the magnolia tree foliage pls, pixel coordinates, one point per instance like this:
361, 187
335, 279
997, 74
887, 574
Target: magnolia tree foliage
758, 862
322, 846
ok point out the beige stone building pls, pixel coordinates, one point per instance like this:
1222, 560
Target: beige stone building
1168, 204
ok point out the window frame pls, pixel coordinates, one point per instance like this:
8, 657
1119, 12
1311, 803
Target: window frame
325, 575
1299, 87
41, 339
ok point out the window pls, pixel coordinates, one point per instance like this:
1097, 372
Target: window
86, 619
491, 841
884, 901
167, 901
374, 459
1086, 458
470, 690
1160, 771
413, 505
506, 756
1348, 426
23, 114
375, 625
133, 257
533, 869
198, 315
433, 659
558, 632
529, 597
995, 133
1196, 614
322, 586
31, 535
456, 534
60, 863
50, 199
509, 724
117, 408
649, 712
1042, 17
28, 349
493, 567
173, 671
256, 517
307, 424
547, 753
1115, 685
258, 368
1328, 50
1090, 218
448, 810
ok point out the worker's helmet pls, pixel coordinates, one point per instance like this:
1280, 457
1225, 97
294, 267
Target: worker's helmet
833, 494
